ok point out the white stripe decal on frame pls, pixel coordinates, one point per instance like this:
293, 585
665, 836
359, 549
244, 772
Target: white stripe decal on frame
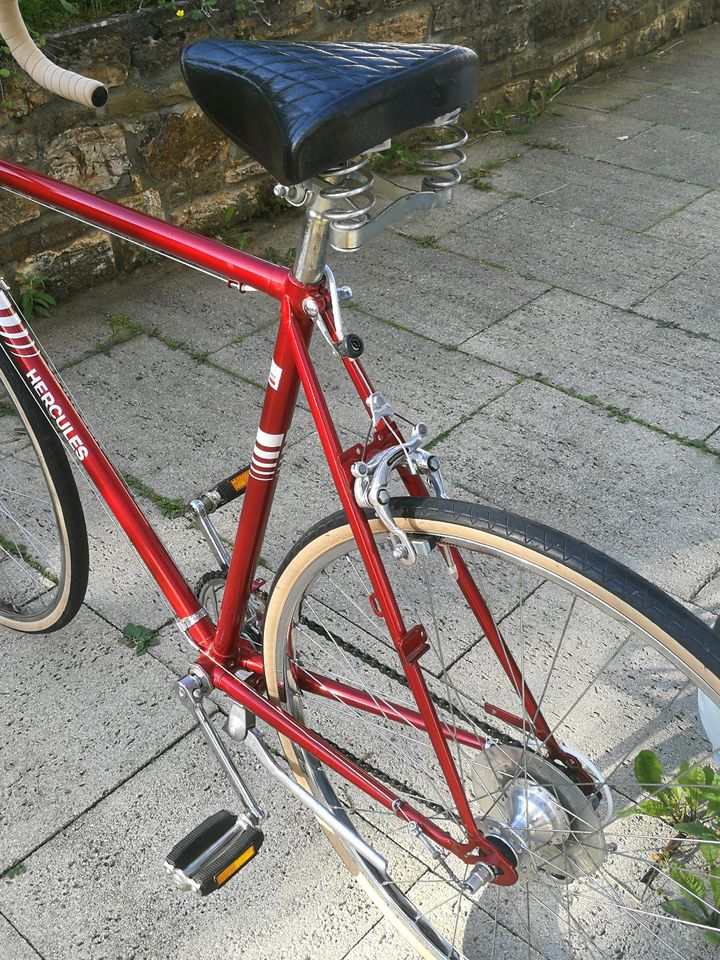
18, 341
266, 454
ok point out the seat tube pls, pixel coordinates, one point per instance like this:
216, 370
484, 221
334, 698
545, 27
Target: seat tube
311, 255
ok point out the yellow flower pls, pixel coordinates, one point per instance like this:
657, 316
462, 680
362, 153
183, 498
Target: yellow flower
179, 13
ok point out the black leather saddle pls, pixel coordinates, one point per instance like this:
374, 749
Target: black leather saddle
301, 108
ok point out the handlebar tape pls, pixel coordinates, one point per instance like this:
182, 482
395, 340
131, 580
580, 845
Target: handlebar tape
65, 83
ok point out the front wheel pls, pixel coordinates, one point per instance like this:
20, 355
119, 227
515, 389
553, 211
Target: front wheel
43, 540
614, 665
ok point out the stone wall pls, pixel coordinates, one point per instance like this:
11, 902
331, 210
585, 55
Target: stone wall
152, 149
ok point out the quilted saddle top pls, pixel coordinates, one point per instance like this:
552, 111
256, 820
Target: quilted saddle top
302, 108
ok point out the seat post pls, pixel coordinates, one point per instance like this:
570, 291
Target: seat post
311, 254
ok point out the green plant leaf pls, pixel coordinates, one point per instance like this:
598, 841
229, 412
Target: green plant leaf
15, 871
709, 853
680, 909
712, 937
692, 776
648, 808
699, 831
648, 769
142, 637
715, 887
690, 882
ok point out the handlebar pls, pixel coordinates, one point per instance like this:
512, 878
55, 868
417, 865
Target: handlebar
65, 83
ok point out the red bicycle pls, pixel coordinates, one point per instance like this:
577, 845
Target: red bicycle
462, 694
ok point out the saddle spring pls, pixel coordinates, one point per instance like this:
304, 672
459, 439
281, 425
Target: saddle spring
353, 183
442, 154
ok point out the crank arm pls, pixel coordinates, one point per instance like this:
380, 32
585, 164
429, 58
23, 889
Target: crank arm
191, 693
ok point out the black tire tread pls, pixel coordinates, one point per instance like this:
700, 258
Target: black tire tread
652, 602
64, 482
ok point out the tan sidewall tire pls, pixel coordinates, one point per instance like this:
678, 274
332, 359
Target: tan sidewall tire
47, 623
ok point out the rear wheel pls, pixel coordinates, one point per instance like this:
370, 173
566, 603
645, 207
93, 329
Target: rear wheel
615, 665
43, 539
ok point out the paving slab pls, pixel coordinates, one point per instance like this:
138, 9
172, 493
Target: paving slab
657, 375
605, 90
696, 226
570, 251
665, 150
689, 301
705, 42
708, 597
588, 133
593, 189
467, 204
445, 298
177, 440
685, 109
713, 441
644, 499
120, 587
684, 67
15, 947
93, 329
80, 719
293, 901
422, 380
179, 303
489, 148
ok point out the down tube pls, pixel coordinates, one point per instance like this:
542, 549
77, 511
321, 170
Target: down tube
24, 353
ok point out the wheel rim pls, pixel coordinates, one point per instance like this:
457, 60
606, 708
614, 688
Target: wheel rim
34, 549
500, 924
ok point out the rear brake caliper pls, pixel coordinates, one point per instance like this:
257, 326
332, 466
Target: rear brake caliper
372, 476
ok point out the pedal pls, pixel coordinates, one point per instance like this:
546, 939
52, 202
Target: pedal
213, 853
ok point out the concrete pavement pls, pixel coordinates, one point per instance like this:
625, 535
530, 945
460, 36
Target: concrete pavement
559, 331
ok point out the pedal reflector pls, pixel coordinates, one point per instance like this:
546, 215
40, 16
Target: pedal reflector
213, 853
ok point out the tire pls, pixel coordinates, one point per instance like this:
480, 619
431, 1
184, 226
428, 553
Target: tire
43, 539
607, 654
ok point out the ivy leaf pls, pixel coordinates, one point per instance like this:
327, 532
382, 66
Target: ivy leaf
648, 769
693, 884
142, 637
712, 937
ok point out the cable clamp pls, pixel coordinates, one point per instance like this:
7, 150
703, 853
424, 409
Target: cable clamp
185, 623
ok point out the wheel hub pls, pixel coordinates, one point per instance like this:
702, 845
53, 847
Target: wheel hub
537, 811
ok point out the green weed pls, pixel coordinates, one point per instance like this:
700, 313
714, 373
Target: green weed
141, 637
690, 806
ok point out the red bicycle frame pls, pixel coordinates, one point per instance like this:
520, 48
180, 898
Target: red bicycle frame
223, 650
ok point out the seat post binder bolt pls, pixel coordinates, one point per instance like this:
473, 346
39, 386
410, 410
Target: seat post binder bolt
311, 308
